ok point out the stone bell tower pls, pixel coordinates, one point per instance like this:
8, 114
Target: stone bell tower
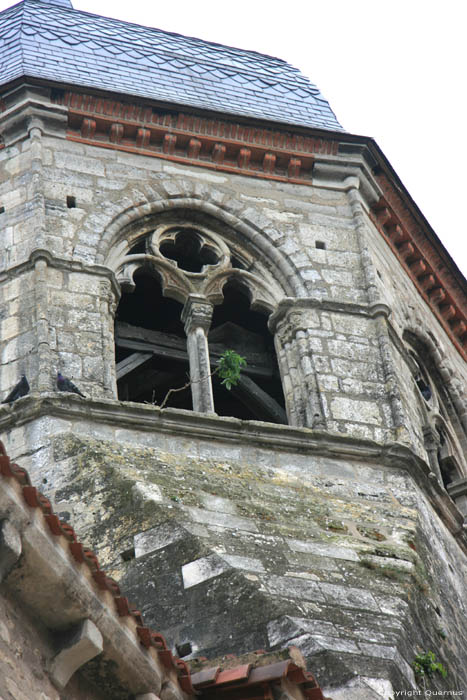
164, 199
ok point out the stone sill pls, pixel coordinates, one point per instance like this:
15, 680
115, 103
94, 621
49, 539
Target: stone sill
183, 423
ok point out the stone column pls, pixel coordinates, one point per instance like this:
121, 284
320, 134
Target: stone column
295, 355
197, 315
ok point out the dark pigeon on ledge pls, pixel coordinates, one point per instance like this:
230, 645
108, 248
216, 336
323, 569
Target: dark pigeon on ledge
64, 384
19, 390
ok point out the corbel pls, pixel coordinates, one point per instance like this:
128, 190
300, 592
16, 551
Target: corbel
79, 645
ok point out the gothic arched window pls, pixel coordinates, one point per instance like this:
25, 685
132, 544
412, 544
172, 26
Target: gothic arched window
187, 296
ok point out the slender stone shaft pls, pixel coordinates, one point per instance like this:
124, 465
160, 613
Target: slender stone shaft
197, 315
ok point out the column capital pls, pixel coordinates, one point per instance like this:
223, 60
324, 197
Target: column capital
197, 313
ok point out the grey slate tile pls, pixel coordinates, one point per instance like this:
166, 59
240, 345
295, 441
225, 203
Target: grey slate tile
59, 43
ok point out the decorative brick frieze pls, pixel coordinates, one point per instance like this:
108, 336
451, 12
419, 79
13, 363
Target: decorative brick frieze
423, 263
212, 143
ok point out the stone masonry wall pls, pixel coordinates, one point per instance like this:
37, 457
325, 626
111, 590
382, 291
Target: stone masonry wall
231, 546
72, 293
25, 653
236, 535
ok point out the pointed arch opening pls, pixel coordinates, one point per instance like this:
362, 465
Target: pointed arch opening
177, 267
445, 438
150, 343
235, 325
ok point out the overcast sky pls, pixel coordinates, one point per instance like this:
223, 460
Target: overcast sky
391, 70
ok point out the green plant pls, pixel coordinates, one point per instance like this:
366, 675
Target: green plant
229, 368
425, 664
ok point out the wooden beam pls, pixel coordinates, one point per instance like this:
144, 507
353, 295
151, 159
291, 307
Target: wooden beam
170, 347
258, 401
131, 362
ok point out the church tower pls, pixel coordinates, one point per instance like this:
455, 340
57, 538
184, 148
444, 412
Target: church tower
164, 200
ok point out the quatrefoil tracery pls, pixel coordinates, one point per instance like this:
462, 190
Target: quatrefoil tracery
189, 259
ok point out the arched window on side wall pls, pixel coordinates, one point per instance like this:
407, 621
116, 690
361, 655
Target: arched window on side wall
444, 435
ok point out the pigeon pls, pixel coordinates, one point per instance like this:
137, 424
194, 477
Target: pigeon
19, 390
426, 392
64, 384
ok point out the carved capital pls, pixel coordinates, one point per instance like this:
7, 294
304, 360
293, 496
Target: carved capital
197, 313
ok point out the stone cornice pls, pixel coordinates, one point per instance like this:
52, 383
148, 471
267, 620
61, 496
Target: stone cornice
197, 140
61, 264
304, 303
189, 424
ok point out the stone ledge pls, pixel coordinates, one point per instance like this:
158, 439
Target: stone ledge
307, 441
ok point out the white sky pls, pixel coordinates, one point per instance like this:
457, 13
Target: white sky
391, 70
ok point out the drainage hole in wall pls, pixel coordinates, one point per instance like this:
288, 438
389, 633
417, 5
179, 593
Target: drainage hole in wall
128, 554
184, 649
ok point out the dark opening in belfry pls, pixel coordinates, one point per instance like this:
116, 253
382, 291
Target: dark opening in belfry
235, 326
150, 344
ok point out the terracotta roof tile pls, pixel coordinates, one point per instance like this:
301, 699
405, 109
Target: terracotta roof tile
84, 556
229, 680
234, 680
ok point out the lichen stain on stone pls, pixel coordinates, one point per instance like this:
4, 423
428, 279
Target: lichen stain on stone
101, 477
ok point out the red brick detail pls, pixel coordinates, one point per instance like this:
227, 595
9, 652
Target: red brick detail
418, 268
269, 162
218, 153
116, 133
437, 295
406, 250
459, 327
244, 156
293, 169
143, 137
383, 214
291, 154
429, 272
194, 147
169, 143
88, 128
396, 233
427, 282
448, 311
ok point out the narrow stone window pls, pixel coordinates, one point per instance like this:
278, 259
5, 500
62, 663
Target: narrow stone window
321, 245
150, 344
2, 210
258, 395
71, 201
446, 460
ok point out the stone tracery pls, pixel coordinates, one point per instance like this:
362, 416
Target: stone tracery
194, 265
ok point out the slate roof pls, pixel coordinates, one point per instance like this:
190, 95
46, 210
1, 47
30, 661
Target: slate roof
52, 41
